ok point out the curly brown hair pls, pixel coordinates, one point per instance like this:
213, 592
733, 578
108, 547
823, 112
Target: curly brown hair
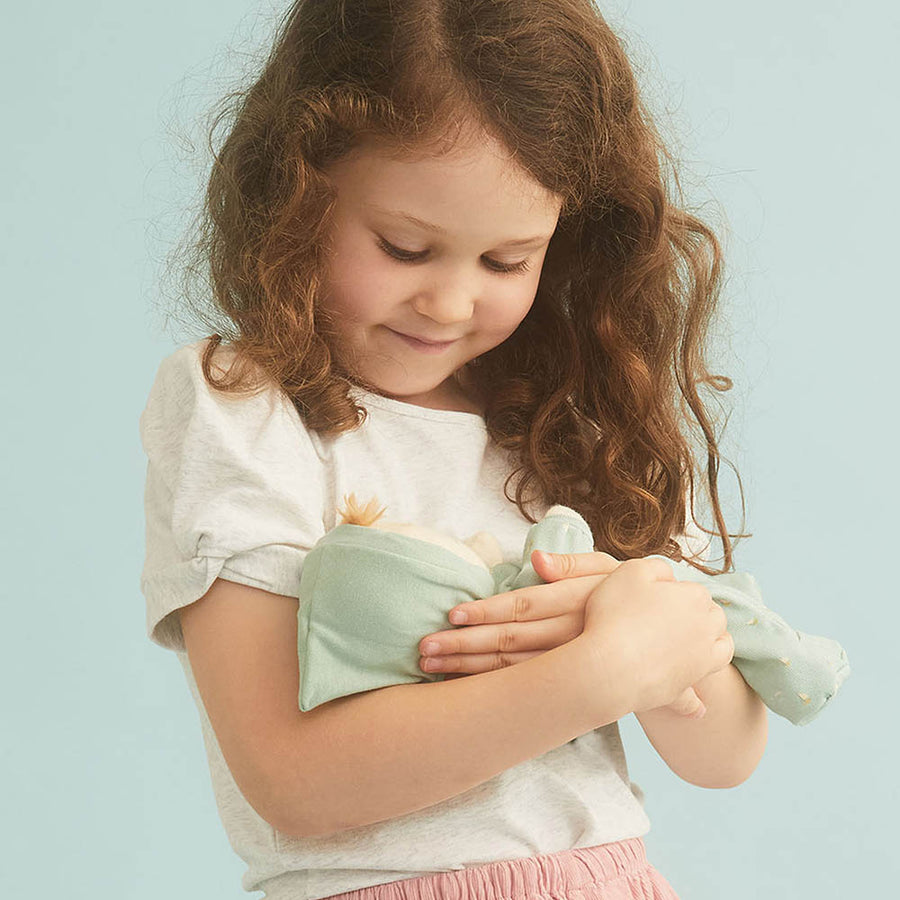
596, 393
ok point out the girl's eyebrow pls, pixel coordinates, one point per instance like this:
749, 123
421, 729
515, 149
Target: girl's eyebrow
436, 229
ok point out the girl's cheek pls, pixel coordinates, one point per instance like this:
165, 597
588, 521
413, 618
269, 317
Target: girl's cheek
510, 313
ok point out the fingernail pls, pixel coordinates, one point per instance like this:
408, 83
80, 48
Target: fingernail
431, 647
458, 617
544, 558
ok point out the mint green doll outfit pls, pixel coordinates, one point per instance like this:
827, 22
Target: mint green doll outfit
367, 597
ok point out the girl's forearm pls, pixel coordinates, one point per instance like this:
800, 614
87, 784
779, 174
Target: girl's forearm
722, 749
385, 753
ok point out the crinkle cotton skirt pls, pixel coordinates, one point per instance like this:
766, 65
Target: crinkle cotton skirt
618, 871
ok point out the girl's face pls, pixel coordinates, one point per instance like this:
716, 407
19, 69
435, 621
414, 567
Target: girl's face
419, 248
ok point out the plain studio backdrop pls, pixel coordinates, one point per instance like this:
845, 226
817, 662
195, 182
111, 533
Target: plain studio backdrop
781, 114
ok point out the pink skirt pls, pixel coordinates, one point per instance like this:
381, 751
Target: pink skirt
618, 871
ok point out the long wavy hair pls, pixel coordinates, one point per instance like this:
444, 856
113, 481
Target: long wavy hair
595, 395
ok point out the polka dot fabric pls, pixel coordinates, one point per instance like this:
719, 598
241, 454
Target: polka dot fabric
795, 674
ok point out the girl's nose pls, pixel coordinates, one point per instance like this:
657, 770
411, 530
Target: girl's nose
445, 304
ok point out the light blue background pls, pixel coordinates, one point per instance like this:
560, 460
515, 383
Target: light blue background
782, 114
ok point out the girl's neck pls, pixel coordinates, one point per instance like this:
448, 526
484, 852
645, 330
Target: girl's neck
457, 394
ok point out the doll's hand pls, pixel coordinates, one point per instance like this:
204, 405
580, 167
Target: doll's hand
509, 628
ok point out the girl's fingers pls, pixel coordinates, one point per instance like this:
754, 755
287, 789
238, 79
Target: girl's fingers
471, 664
541, 634
555, 566
689, 704
542, 601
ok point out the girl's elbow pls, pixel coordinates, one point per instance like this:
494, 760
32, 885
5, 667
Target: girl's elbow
728, 780
722, 780
718, 781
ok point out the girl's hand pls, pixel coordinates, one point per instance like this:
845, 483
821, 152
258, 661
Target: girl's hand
509, 628
554, 566
653, 636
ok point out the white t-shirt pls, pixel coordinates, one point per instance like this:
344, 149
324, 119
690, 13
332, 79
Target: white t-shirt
238, 488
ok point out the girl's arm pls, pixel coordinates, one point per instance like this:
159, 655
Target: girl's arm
380, 754
722, 749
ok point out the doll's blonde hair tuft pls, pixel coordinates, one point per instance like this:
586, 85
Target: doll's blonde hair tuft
354, 513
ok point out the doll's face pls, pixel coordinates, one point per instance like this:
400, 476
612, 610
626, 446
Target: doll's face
481, 549
439, 277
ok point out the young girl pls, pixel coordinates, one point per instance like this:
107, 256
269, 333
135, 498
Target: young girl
440, 237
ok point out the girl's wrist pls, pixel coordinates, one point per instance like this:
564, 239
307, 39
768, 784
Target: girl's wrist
605, 689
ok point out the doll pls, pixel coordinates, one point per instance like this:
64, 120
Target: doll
370, 589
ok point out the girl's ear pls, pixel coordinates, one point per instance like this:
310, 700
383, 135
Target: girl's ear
354, 513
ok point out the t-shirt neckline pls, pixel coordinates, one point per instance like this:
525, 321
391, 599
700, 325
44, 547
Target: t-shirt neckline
399, 407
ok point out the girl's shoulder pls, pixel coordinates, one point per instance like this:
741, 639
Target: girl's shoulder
183, 404
235, 489
181, 373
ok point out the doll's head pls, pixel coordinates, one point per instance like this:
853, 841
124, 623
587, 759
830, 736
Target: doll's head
481, 549
582, 350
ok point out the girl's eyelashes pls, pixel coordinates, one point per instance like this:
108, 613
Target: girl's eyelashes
408, 256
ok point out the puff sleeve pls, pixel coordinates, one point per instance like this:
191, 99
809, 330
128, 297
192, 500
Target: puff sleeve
234, 490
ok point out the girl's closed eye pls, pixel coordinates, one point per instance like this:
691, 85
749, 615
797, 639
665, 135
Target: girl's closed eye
408, 256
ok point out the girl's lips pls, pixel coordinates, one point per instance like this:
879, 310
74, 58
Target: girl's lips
422, 346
